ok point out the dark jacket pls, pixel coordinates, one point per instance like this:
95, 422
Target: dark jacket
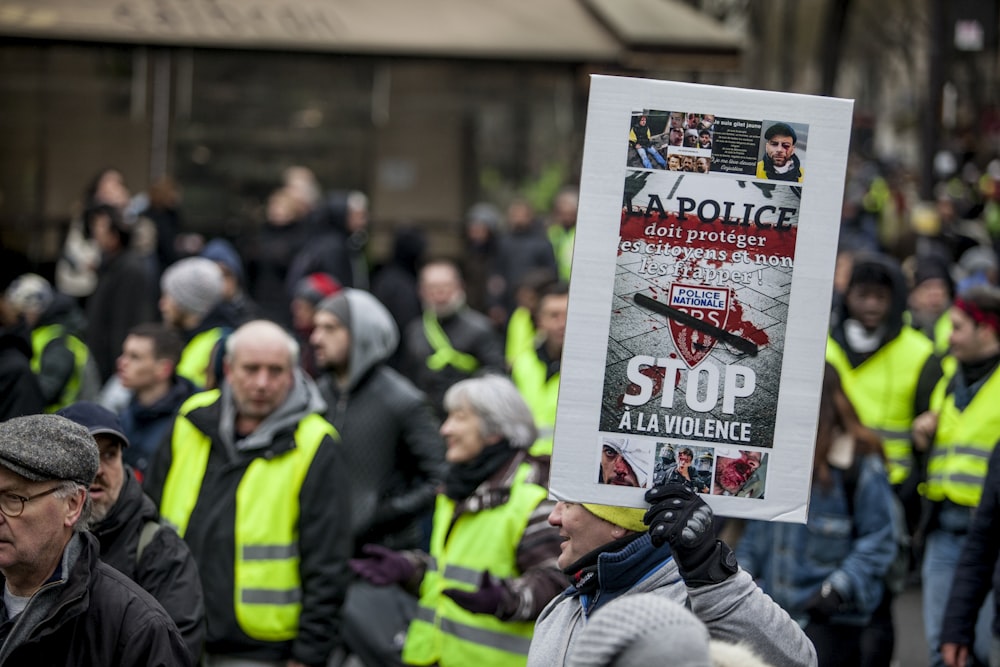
978, 566
146, 425
469, 332
167, 570
519, 252
90, 614
394, 451
19, 391
269, 254
324, 543
123, 298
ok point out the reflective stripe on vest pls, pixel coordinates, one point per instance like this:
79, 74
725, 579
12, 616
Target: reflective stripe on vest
883, 389
959, 457
266, 582
541, 394
40, 339
445, 634
197, 356
444, 354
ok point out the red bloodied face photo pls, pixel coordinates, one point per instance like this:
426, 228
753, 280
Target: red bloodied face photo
732, 474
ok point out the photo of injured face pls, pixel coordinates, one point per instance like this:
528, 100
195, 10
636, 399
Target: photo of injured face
739, 473
624, 463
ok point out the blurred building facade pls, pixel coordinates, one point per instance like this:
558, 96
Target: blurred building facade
427, 107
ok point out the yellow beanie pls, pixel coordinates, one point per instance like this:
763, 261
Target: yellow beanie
626, 517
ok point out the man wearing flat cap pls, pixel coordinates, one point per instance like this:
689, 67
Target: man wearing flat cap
61, 605
126, 523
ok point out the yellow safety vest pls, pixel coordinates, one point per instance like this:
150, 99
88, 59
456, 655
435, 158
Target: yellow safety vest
40, 339
445, 634
444, 354
520, 334
266, 580
956, 468
882, 390
562, 241
542, 396
197, 356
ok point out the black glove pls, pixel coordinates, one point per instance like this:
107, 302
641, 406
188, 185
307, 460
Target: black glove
679, 516
484, 601
824, 603
384, 567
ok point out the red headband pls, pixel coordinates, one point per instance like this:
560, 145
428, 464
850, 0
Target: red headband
978, 314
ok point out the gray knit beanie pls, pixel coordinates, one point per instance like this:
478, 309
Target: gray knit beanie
339, 306
44, 447
195, 283
642, 629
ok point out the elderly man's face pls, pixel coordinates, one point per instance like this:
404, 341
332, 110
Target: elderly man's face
615, 469
31, 544
107, 486
581, 531
260, 376
440, 287
732, 474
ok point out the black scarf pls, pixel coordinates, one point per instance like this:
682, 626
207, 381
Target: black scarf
790, 175
970, 378
463, 478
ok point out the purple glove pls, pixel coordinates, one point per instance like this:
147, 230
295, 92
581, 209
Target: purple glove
484, 601
384, 567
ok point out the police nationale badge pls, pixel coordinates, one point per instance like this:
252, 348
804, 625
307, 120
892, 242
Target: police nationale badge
706, 304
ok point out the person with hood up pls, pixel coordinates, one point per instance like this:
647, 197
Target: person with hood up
253, 478
888, 371
126, 523
395, 453
62, 361
392, 445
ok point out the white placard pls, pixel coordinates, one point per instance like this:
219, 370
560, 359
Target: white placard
700, 297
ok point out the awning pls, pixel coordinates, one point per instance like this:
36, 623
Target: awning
551, 30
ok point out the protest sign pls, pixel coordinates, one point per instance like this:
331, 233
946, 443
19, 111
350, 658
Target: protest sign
700, 299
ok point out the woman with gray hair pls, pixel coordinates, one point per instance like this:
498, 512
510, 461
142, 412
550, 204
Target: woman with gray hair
492, 562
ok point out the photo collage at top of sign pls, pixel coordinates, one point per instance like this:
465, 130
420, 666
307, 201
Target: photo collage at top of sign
703, 143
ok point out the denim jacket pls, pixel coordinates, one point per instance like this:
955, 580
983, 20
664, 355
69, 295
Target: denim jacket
792, 561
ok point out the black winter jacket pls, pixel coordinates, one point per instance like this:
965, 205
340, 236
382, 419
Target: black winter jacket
325, 541
167, 570
470, 332
94, 616
395, 454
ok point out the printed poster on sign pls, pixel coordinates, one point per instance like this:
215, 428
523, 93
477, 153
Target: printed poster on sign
694, 350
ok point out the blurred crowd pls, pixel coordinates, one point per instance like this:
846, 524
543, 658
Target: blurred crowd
311, 458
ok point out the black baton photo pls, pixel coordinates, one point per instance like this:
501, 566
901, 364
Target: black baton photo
742, 344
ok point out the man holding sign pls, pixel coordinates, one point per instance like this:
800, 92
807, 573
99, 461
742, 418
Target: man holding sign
608, 553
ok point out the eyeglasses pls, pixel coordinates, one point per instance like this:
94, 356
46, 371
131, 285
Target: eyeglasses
12, 505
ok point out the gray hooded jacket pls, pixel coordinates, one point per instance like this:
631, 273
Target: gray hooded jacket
395, 454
